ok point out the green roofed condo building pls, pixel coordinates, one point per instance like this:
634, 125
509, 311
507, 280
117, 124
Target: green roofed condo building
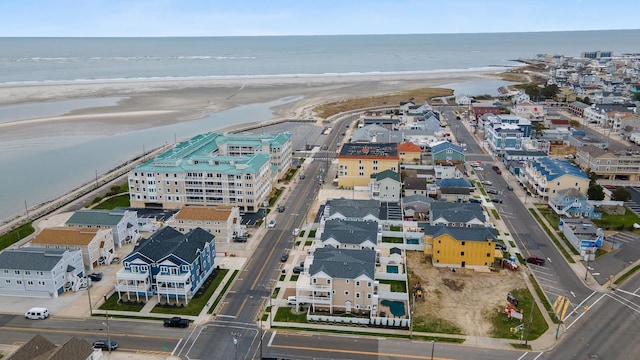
212, 169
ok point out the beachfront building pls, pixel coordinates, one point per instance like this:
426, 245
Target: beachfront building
96, 244
222, 221
40, 272
123, 223
212, 169
545, 177
168, 264
459, 247
356, 162
506, 132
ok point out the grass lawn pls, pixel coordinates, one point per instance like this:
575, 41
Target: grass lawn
286, 314
308, 243
294, 277
223, 292
114, 202
396, 285
113, 304
302, 233
626, 275
534, 323
14, 236
199, 300
312, 234
435, 324
617, 222
495, 214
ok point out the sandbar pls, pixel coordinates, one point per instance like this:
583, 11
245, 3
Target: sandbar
152, 103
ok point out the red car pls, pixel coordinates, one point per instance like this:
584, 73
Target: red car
535, 260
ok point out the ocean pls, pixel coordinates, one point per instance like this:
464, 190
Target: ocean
71, 162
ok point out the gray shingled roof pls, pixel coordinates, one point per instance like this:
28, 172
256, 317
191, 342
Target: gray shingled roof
168, 240
354, 209
350, 232
456, 212
36, 348
74, 349
343, 263
36, 259
96, 217
462, 233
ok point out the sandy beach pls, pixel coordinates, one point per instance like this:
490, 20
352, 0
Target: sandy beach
153, 103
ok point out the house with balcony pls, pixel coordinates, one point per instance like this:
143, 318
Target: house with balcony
123, 223
620, 165
349, 234
385, 186
221, 221
572, 203
416, 207
583, 235
578, 108
40, 272
169, 265
96, 244
339, 280
460, 247
546, 176
446, 153
352, 209
456, 214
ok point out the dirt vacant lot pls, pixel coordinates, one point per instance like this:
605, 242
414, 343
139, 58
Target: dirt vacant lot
458, 302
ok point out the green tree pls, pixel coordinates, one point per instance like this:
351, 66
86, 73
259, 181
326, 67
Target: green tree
549, 91
538, 128
595, 192
586, 100
620, 194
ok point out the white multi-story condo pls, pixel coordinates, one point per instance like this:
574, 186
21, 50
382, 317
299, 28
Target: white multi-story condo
212, 169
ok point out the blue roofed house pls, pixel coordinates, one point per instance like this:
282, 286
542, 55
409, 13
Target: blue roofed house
40, 272
454, 190
446, 153
168, 264
123, 223
572, 203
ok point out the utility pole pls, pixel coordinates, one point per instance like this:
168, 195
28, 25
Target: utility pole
88, 279
26, 209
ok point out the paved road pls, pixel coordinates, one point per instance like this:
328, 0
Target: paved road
556, 277
610, 329
131, 335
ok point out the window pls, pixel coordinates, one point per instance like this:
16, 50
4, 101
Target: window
368, 283
314, 281
357, 295
328, 281
357, 283
369, 296
461, 253
347, 281
17, 272
346, 292
488, 255
463, 243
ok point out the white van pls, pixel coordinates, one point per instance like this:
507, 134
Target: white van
37, 313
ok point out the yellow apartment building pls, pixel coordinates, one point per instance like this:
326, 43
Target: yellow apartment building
460, 247
356, 162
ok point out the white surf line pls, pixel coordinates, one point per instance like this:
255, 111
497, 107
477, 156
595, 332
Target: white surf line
176, 348
273, 335
523, 355
581, 315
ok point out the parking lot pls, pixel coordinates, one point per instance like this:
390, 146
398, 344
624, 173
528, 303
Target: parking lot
619, 259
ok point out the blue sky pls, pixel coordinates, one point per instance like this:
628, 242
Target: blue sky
311, 17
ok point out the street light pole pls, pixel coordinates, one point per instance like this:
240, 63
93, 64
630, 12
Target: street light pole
88, 280
433, 345
235, 346
108, 332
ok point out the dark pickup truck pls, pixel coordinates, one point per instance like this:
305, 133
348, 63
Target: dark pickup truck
176, 321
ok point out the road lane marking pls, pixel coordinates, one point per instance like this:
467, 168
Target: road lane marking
626, 303
523, 355
626, 292
176, 347
535, 358
581, 315
84, 332
273, 335
376, 354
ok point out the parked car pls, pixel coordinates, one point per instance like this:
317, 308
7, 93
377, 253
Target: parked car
96, 276
176, 321
301, 176
535, 260
284, 257
474, 200
272, 224
487, 182
281, 208
496, 200
509, 187
291, 300
37, 313
501, 246
493, 191
513, 300
298, 269
105, 345
240, 239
